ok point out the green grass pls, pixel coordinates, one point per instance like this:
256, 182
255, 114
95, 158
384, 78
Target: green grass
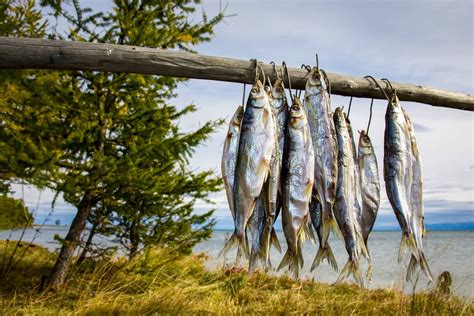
159, 281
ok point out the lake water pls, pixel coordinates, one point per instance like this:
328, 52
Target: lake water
451, 251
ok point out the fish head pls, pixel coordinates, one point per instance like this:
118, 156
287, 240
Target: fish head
394, 105
236, 120
315, 82
297, 114
365, 144
278, 91
258, 96
339, 117
268, 91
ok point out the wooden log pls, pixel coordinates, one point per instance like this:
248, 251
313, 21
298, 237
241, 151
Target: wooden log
31, 53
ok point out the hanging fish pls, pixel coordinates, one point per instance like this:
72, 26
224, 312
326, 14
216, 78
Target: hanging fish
344, 207
229, 155
298, 177
261, 224
256, 144
370, 190
229, 159
358, 197
416, 204
370, 184
318, 109
398, 174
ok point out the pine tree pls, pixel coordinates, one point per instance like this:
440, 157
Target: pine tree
108, 140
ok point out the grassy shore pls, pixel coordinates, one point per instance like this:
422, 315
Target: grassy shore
163, 282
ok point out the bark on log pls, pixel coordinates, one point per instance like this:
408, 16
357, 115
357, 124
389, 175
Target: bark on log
30, 53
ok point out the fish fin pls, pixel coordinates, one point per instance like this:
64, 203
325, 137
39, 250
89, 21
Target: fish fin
331, 225
239, 241
308, 231
351, 267
292, 261
407, 242
324, 253
274, 241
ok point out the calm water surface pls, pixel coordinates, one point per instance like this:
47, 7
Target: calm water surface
451, 251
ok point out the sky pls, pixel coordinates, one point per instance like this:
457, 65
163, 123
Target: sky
422, 42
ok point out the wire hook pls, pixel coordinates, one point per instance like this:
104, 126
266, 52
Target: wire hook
349, 110
390, 84
283, 64
307, 67
370, 116
317, 62
377, 84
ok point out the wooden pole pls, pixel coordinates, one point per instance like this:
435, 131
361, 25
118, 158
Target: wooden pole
31, 53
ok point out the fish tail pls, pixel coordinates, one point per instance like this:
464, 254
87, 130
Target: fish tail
362, 246
239, 240
411, 268
274, 241
324, 253
407, 242
423, 263
425, 267
292, 261
351, 267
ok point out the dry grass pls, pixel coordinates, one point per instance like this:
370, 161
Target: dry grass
162, 282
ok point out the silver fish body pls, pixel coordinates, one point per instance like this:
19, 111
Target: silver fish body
229, 155
266, 209
298, 177
416, 205
369, 183
256, 144
323, 134
344, 207
399, 170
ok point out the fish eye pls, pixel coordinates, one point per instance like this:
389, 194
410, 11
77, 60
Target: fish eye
295, 108
366, 139
254, 90
279, 89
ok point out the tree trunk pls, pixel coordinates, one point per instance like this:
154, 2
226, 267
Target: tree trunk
134, 240
87, 246
63, 263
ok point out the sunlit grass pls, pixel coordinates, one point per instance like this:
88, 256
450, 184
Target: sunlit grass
159, 281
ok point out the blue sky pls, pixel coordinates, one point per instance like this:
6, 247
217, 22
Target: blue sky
423, 42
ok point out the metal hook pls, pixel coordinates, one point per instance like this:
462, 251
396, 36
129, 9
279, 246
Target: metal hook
375, 81
370, 116
283, 64
307, 67
243, 96
263, 73
390, 84
278, 75
317, 62
349, 110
